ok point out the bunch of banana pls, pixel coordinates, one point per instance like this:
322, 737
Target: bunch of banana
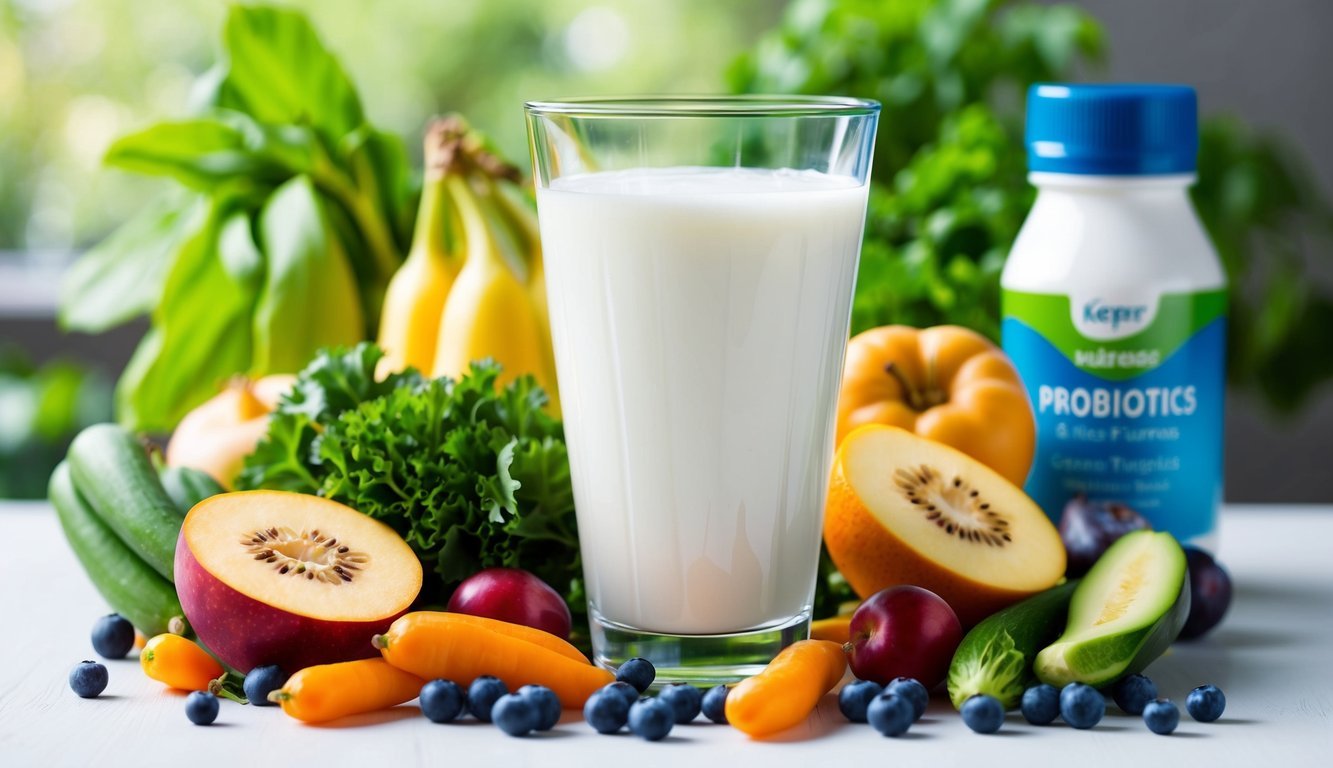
473, 285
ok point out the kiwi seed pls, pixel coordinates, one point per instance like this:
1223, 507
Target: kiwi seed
318, 557
954, 506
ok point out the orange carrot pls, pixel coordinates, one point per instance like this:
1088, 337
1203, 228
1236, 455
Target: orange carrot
520, 631
433, 645
179, 663
836, 629
330, 691
788, 689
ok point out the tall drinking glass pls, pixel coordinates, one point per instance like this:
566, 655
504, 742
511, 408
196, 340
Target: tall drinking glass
700, 256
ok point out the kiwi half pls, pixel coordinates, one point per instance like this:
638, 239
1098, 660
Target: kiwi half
955, 506
906, 510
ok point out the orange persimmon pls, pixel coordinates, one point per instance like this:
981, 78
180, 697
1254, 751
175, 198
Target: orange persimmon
946, 383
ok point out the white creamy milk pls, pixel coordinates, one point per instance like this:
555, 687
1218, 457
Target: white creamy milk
700, 318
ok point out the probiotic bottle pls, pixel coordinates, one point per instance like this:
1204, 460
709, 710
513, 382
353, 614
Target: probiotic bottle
1114, 307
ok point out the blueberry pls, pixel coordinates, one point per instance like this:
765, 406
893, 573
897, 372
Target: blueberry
855, 697
515, 714
606, 710
1206, 703
623, 689
261, 682
685, 701
113, 636
88, 679
1081, 705
201, 707
914, 691
1132, 692
482, 695
546, 703
1161, 716
714, 704
890, 714
638, 672
983, 714
1041, 704
442, 701
651, 719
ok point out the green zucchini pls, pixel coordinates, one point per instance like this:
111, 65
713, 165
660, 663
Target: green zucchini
129, 586
188, 486
1126, 612
995, 658
111, 470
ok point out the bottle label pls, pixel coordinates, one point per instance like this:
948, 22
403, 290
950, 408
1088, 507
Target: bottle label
1128, 396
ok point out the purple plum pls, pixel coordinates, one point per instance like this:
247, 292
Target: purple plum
515, 596
1210, 593
1089, 527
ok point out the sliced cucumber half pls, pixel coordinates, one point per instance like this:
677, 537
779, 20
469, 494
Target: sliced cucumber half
1123, 615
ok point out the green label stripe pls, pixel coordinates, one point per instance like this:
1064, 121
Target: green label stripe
1179, 317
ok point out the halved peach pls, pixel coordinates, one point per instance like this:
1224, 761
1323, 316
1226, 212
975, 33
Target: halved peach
269, 577
903, 509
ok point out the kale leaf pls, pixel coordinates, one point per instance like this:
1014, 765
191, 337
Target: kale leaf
471, 475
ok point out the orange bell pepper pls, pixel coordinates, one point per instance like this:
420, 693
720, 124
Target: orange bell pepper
945, 383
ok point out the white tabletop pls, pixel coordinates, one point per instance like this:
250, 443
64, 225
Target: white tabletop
1273, 656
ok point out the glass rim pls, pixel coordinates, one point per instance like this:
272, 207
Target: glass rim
758, 105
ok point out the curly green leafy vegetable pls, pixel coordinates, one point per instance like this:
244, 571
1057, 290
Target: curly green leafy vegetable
470, 475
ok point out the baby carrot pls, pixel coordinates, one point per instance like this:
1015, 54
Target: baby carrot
444, 646
520, 631
330, 691
836, 629
788, 689
179, 663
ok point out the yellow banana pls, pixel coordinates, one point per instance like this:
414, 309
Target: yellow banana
410, 321
488, 312
523, 222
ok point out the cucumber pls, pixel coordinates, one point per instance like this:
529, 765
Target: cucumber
996, 657
188, 486
129, 586
1125, 613
112, 471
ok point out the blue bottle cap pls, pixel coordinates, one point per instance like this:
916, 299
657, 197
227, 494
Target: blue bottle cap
1112, 130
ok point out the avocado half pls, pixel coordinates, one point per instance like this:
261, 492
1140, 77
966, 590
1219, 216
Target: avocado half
1124, 614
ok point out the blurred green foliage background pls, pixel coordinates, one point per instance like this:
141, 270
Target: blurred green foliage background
75, 74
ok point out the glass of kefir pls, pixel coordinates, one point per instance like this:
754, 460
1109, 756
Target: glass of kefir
700, 257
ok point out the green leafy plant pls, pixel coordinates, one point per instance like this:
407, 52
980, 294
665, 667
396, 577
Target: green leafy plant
290, 215
950, 190
471, 475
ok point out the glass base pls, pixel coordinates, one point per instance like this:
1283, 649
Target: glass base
702, 660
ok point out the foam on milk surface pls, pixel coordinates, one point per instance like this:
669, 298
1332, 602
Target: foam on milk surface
699, 319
